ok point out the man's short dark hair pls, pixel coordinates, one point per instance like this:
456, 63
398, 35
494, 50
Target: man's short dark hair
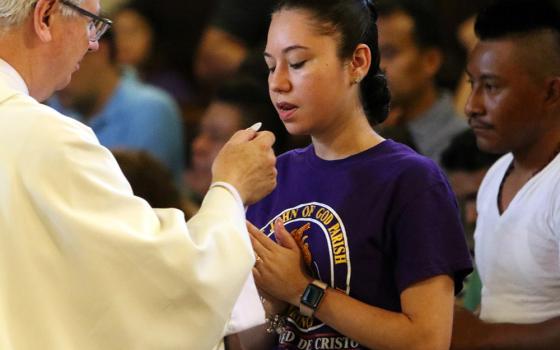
423, 13
505, 18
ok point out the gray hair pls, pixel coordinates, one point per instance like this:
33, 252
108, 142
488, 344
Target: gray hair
14, 12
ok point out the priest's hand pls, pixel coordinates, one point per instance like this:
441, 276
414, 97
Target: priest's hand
248, 163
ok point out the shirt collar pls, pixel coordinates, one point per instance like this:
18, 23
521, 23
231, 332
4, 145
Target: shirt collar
12, 78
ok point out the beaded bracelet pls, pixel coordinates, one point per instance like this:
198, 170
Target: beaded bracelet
276, 324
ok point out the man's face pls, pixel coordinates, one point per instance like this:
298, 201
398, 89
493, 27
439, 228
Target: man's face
133, 37
404, 63
505, 107
71, 43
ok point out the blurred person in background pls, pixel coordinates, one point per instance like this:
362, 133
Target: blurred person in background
123, 111
237, 104
465, 166
145, 39
467, 38
423, 115
236, 30
150, 179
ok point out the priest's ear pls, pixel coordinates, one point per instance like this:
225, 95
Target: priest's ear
42, 16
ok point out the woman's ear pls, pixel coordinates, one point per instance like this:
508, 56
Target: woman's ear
42, 13
361, 61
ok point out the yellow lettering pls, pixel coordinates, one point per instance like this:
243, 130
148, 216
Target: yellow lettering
324, 216
337, 239
339, 247
340, 259
288, 215
307, 211
340, 250
335, 229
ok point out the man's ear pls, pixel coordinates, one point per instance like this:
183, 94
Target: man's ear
553, 92
433, 59
42, 13
361, 61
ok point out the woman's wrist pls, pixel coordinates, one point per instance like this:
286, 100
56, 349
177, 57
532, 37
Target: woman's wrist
273, 308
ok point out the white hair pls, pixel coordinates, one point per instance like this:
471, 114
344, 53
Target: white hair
14, 12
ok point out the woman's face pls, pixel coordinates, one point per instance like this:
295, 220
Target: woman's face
133, 38
309, 85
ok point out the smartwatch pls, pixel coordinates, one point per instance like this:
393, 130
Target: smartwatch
311, 297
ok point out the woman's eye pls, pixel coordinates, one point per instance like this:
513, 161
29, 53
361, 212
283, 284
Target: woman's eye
297, 65
271, 69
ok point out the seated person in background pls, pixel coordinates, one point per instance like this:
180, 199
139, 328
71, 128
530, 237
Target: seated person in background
465, 166
144, 44
238, 103
468, 39
423, 117
122, 111
149, 179
514, 108
237, 28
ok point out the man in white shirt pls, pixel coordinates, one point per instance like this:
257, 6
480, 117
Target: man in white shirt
84, 264
514, 108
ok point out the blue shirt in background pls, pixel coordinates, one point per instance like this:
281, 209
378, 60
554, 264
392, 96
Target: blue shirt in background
140, 117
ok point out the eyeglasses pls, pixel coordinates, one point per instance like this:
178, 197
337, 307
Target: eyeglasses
97, 26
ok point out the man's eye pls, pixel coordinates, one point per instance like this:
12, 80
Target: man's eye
490, 87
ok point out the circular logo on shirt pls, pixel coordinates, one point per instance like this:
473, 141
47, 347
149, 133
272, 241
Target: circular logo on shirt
322, 238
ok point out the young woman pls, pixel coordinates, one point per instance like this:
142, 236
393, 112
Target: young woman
368, 217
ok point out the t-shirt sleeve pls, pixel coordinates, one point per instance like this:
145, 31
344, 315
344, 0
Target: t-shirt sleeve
428, 238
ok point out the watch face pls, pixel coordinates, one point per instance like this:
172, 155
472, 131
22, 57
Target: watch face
312, 296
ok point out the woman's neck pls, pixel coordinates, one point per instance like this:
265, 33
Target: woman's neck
345, 139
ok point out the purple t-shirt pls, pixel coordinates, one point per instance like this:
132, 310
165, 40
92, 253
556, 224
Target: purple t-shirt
370, 225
